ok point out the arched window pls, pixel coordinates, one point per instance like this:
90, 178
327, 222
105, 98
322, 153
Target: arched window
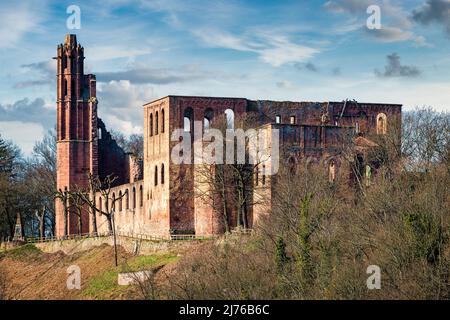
187, 119
141, 196
107, 205
65, 87
162, 173
230, 118
134, 198
207, 119
332, 171
162, 121
100, 203
113, 202
156, 175
381, 123
277, 119
120, 200
127, 200
156, 123
292, 119
151, 125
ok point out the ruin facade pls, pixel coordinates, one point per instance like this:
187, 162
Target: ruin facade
157, 196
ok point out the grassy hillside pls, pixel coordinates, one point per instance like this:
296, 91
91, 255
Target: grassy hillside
28, 273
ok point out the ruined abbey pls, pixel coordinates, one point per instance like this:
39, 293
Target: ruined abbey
157, 196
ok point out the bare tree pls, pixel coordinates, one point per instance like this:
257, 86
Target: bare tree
64, 197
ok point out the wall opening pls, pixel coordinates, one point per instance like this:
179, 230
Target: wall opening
188, 119
381, 123
151, 125
277, 119
230, 118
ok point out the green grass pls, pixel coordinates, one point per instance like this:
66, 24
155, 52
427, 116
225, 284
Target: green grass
104, 285
26, 252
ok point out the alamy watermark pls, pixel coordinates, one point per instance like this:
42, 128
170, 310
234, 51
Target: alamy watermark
209, 146
73, 278
374, 20
73, 22
374, 280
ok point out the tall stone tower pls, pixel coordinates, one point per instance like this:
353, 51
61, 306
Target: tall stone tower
76, 132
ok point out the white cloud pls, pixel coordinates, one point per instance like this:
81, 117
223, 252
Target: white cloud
396, 21
15, 22
120, 105
271, 48
24, 134
106, 52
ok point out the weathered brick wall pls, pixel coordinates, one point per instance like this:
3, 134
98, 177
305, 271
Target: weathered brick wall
157, 165
111, 158
76, 116
130, 216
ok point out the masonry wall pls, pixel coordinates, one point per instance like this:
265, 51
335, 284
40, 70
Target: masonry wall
187, 209
129, 215
157, 166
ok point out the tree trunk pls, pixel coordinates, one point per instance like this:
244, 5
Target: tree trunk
66, 213
110, 226
94, 221
80, 221
224, 203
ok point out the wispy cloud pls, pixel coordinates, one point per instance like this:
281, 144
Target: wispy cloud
396, 21
44, 73
273, 49
284, 84
16, 21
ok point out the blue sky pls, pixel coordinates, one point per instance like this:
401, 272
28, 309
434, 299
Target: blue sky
282, 50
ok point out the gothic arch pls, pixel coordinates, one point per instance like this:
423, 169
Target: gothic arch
188, 119
381, 123
229, 113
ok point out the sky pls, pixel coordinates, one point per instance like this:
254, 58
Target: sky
142, 50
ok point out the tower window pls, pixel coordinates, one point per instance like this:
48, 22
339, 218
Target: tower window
156, 123
156, 175
162, 173
141, 196
162, 121
64, 87
151, 124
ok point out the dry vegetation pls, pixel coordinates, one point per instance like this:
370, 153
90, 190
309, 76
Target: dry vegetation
320, 237
28, 273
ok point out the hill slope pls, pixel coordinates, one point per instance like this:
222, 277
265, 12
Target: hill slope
28, 273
